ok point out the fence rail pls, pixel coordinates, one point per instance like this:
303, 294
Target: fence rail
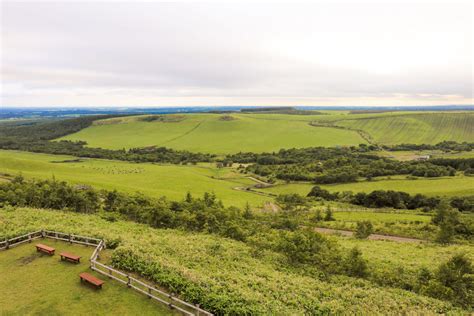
122, 277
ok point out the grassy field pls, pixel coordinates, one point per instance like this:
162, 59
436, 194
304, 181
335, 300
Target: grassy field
35, 284
417, 128
173, 181
209, 133
385, 221
271, 132
231, 273
444, 186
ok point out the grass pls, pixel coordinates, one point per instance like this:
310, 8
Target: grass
443, 186
35, 284
459, 185
385, 221
208, 133
230, 271
416, 128
271, 132
156, 180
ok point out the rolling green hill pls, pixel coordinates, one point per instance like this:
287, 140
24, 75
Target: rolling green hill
417, 128
222, 134
172, 181
212, 133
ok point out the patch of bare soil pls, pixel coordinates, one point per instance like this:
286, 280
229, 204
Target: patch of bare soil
23, 261
227, 118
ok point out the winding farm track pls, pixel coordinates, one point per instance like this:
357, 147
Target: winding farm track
186, 133
349, 233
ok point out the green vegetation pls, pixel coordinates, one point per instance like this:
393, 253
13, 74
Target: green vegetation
151, 179
444, 186
223, 208
270, 132
36, 284
232, 277
417, 128
209, 134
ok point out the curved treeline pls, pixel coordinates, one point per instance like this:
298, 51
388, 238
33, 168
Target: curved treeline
38, 136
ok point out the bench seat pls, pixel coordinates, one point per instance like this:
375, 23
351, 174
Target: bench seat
91, 279
45, 249
70, 257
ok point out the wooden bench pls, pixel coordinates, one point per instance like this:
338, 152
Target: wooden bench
45, 249
91, 279
70, 257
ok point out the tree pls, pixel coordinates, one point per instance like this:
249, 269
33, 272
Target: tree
329, 216
447, 219
454, 281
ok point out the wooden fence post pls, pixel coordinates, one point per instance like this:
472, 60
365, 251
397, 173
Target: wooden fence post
29, 238
70, 238
149, 292
7, 245
42, 234
110, 272
128, 280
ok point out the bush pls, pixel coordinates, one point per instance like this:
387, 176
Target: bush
356, 266
364, 229
453, 281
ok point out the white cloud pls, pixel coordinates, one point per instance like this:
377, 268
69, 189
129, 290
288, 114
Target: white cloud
86, 53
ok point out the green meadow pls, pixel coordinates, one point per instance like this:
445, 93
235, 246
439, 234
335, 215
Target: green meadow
211, 133
459, 185
172, 181
416, 128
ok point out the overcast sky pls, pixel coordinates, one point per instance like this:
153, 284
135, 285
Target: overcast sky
165, 54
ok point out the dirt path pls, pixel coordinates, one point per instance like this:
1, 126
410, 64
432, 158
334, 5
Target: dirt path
349, 233
186, 133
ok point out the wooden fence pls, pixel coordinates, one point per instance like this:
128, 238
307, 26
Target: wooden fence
127, 279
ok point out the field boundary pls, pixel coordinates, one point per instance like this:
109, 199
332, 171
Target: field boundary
151, 292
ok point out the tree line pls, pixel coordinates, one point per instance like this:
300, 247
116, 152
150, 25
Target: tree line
322, 165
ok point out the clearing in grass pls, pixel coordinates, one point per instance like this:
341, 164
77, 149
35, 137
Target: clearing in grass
36, 284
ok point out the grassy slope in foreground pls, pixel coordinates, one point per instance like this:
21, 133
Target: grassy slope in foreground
429, 128
231, 272
209, 133
36, 284
444, 186
172, 181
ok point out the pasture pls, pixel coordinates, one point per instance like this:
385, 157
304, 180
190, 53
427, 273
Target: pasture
172, 181
210, 133
459, 185
418, 128
36, 284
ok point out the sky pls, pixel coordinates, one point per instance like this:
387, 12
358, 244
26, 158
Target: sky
131, 53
